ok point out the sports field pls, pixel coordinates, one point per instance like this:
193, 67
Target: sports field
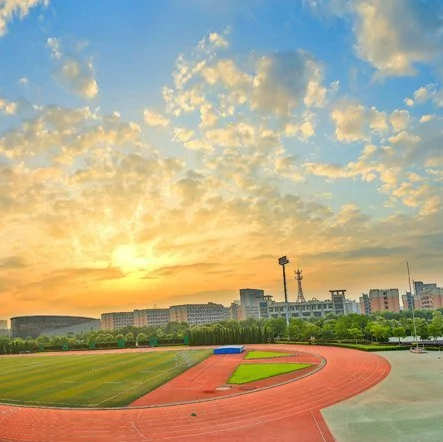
89, 380
254, 372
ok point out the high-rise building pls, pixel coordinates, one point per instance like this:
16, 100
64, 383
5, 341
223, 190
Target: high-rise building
430, 299
419, 286
408, 301
338, 298
384, 300
235, 310
352, 307
365, 304
151, 317
253, 303
199, 314
3, 324
116, 320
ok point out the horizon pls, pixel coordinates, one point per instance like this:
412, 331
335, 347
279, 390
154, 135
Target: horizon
170, 153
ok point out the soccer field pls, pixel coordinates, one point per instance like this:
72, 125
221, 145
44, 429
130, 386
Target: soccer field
89, 380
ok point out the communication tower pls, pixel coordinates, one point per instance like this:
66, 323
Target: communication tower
299, 277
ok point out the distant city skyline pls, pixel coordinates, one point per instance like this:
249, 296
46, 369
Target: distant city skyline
171, 153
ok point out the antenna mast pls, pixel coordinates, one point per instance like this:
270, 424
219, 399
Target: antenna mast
299, 277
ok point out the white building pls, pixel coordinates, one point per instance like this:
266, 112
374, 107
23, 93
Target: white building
254, 303
304, 310
153, 317
352, 307
199, 314
116, 320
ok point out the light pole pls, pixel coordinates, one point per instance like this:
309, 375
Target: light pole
413, 305
283, 261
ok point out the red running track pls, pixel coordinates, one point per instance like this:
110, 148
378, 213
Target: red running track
286, 413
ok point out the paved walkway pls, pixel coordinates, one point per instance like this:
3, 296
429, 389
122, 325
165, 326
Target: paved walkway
286, 413
406, 407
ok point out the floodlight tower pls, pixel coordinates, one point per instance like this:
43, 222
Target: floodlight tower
299, 277
283, 261
413, 305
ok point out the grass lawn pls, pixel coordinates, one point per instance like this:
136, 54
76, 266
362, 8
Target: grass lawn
253, 372
265, 354
92, 380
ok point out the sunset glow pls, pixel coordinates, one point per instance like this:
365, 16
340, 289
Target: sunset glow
170, 152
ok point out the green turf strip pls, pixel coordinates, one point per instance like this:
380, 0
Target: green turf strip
99, 380
254, 372
265, 354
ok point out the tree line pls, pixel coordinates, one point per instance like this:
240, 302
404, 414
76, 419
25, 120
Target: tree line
378, 327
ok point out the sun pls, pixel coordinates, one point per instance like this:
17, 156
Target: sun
129, 257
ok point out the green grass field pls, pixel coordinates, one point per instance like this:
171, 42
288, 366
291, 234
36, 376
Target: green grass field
265, 354
91, 380
254, 372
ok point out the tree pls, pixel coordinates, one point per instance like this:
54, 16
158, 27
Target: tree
356, 333
399, 332
436, 327
422, 329
129, 337
379, 331
142, 338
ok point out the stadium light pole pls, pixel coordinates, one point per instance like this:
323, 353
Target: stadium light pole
283, 261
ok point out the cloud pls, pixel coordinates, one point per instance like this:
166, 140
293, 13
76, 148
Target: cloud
349, 122
12, 263
23, 80
393, 36
7, 107
12, 8
153, 118
73, 71
285, 81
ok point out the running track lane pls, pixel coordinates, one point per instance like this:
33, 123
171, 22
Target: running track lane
287, 413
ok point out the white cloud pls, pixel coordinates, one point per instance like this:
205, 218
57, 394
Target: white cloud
426, 118
392, 35
12, 8
74, 72
399, 119
430, 92
349, 122
182, 134
23, 80
284, 81
409, 102
153, 118
7, 107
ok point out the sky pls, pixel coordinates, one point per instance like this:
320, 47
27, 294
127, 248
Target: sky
159, 153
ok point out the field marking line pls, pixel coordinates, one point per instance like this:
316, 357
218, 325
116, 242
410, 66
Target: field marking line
133, 388
318, 426
139, 432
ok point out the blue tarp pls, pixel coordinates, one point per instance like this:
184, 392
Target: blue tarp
229, 349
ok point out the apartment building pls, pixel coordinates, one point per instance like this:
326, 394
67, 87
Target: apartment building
384, 300
151, 317
430, 299
116, 320
408, 301
199, 314
365, 304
